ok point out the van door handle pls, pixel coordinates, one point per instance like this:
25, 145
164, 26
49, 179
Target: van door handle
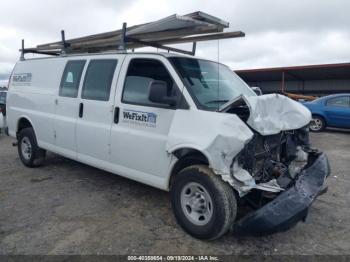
81, 110
116, 115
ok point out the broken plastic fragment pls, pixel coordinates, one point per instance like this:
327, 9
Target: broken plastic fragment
271, 186
298, 163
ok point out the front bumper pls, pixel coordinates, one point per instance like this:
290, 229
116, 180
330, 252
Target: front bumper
290, 206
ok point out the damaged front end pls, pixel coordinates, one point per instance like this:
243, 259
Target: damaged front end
270, 163
285, 176
277, 174
284, 210
260, 146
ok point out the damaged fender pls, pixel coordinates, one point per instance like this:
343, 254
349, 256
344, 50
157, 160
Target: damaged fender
220, 137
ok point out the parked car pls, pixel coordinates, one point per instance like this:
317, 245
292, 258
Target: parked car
330, 111
160, 119
3, 95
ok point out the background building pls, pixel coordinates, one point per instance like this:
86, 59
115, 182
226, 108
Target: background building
309, 80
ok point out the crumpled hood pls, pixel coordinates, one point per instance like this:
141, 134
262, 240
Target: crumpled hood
273, 113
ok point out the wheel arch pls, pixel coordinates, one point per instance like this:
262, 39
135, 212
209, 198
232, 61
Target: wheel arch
24, 122
186, 156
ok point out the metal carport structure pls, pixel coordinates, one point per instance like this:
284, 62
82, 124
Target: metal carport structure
318, 80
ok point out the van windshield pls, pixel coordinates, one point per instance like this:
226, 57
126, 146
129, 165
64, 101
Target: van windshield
211, 84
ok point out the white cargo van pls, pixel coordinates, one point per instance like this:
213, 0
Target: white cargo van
178, 123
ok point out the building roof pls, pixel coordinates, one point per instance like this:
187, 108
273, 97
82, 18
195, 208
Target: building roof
307, 72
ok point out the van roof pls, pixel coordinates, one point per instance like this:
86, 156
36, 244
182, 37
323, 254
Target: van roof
164, 54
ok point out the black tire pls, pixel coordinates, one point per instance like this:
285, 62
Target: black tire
317, 124
37, 155
223, 199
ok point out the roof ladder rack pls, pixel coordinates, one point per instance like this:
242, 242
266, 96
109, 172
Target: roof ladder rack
168, 48
65, 45
123, 39
175, 29
22, 51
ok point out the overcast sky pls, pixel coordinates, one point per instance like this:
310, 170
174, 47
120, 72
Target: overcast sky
278, 32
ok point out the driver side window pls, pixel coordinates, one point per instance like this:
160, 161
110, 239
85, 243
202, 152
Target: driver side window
140, 74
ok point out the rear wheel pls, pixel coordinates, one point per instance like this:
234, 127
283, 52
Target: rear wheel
204, 205
29, 152
317, 124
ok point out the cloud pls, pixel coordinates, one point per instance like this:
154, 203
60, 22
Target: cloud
278, 33
273, 49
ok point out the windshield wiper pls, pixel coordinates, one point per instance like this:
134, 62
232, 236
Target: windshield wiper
217, 101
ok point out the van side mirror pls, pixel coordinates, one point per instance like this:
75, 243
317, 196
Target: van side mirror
257, 90
158, 93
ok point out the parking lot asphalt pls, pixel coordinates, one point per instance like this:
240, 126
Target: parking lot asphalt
65, 207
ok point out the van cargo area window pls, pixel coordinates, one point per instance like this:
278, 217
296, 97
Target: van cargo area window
71, 78
141, 73
98, 79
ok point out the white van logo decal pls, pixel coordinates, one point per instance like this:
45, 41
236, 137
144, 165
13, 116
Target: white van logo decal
22, 79
140, 118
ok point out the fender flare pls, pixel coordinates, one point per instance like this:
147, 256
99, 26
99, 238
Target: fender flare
26, 118
190, 146
173, 163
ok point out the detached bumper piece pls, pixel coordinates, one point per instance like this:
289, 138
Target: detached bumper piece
290, 206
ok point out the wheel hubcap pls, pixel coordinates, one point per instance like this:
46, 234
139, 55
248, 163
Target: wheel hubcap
196, 203
26, 148
316, 124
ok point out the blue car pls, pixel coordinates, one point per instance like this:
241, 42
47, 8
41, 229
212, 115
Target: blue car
330, 111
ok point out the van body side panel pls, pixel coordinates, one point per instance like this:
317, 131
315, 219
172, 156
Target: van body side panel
126, 148
66, 115
94, 126
32, 94
65, 126
130, 173
138, 140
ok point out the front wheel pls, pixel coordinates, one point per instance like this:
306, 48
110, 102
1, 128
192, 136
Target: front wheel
204, 205
317, 124
30, 154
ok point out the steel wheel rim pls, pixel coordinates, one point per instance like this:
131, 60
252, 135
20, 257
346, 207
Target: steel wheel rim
26, 148
196, 203
316, 124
